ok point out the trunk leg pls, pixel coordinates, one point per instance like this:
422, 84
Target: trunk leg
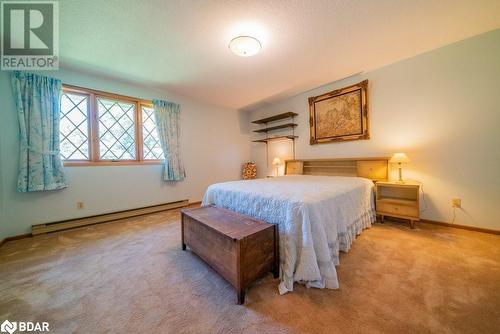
241, 296
182, 232
276, 266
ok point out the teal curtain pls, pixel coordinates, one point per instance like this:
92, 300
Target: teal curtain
167, 117
38, 107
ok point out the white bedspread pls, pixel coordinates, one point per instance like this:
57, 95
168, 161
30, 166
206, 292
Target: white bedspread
317, 217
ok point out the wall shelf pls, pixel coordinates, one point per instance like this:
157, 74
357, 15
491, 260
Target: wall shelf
277, 127
265, 140
279, 117
275, 118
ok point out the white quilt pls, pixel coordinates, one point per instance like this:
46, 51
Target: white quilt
317, 217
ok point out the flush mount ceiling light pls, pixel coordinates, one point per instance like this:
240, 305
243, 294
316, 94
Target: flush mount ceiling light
245, 46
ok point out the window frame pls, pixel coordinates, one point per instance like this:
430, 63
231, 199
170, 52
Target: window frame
93, 135
87, 112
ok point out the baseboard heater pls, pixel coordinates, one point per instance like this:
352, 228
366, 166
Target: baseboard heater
92, 220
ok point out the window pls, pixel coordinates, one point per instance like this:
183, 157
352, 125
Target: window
99, 128
152, 148
74, 127
116, 130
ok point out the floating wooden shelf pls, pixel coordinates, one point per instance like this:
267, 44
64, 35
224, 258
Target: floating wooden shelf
275, 118
265, 140
277, 127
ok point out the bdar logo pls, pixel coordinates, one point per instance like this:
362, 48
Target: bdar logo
8, 327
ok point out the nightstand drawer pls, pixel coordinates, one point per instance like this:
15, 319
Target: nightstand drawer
400, 210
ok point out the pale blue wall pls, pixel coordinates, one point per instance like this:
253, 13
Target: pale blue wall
214, 144
442, 108
7, 119
2, 211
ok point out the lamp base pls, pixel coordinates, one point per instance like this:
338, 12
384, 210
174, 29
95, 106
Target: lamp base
400, 180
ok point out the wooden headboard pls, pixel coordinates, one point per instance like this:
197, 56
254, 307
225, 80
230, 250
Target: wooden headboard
375, 169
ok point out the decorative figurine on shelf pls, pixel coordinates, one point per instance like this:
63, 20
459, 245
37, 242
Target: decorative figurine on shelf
249, 171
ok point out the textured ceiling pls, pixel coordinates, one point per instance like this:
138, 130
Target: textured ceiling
181, 45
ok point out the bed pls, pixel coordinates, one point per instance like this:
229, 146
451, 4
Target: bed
320, 206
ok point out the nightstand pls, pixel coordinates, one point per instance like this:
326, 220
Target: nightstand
400, 200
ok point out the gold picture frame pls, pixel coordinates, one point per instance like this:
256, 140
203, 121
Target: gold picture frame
340, 115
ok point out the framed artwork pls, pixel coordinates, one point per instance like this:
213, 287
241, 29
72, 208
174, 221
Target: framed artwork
339, 115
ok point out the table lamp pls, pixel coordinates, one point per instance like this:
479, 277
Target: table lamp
400, 159
276, 163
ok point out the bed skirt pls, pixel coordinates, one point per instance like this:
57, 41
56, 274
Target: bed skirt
343, 244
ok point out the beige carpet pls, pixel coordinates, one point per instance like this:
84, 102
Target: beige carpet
131, 276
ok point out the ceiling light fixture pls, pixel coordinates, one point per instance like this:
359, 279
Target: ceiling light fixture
245, 46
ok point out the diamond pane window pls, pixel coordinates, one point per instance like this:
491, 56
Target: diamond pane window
116, 129
151, 143
74, 127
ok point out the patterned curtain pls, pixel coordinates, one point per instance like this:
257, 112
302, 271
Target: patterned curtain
167, 117
38, 106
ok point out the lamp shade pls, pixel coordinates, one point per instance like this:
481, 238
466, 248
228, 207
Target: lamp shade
276, 162
399, 158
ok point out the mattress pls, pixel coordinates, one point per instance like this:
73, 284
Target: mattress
317, 216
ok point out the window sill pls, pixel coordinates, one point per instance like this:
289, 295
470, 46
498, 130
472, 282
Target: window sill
110, 163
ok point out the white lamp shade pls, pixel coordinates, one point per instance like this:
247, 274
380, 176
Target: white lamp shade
399, 158
245, 46
276, 162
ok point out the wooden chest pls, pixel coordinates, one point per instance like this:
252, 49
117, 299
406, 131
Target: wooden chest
240, 248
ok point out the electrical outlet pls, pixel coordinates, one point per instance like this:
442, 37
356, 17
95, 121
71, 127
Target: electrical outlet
79, 205
456, 202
